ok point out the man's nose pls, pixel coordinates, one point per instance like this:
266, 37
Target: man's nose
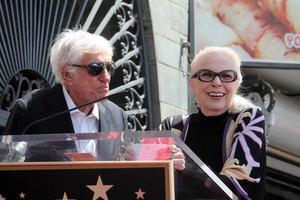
104, 76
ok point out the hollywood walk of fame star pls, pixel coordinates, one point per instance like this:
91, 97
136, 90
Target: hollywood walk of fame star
99, 189
65, 197
22, 195
1, 197
140, 194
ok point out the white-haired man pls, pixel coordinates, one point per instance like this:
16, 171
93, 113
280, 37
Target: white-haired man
82, 65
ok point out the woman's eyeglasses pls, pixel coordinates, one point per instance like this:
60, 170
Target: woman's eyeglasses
96, 68
206, 75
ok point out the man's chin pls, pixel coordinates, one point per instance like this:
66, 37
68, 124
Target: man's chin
103, 97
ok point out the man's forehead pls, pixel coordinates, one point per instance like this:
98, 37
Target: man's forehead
99, 56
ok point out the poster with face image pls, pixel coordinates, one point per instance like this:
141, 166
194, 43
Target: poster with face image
259, 30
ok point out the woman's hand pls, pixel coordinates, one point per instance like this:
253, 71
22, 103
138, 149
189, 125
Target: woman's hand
176, 155
178, 158
130, 153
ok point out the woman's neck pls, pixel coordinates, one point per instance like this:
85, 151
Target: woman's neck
212, 113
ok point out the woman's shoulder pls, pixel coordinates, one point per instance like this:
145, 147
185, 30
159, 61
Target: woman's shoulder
251, 116
177, 117
175, 121
252, 112
241, 105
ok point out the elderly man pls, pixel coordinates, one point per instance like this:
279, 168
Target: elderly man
82, 65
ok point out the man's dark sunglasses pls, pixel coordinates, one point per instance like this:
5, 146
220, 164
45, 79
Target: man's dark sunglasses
96, 68
206, 75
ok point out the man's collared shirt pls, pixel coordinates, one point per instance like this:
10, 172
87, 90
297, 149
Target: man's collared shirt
83, 124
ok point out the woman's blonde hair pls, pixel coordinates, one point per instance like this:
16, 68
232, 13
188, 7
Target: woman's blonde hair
201, 55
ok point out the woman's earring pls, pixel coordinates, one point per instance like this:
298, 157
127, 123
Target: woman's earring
196, 103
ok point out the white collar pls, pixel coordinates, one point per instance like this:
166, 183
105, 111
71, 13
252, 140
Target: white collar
71, 104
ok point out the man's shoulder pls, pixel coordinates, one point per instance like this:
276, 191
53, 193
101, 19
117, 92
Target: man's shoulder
37, 92
42, 92
112, 116
107, 104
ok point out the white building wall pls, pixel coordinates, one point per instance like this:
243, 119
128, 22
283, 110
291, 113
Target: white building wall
170, 27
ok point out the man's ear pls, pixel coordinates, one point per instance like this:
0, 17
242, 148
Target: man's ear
66, 75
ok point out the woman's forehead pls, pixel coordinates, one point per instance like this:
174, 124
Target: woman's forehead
216, 61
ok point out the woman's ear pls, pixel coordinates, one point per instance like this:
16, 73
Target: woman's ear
190, 82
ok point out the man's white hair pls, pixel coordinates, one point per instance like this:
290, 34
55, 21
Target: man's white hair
70, 45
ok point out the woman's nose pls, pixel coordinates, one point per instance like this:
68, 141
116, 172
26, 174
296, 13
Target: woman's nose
217, 81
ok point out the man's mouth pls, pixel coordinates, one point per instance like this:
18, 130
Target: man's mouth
104, 88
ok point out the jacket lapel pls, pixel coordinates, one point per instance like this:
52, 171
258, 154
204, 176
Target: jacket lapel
103, 121
56, 101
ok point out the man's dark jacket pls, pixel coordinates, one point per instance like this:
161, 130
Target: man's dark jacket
45, 102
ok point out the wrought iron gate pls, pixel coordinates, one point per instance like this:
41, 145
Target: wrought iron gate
27, 28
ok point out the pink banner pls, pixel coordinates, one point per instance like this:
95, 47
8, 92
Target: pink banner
264, 30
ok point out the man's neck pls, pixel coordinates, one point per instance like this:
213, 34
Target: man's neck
73, 103
87, 109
